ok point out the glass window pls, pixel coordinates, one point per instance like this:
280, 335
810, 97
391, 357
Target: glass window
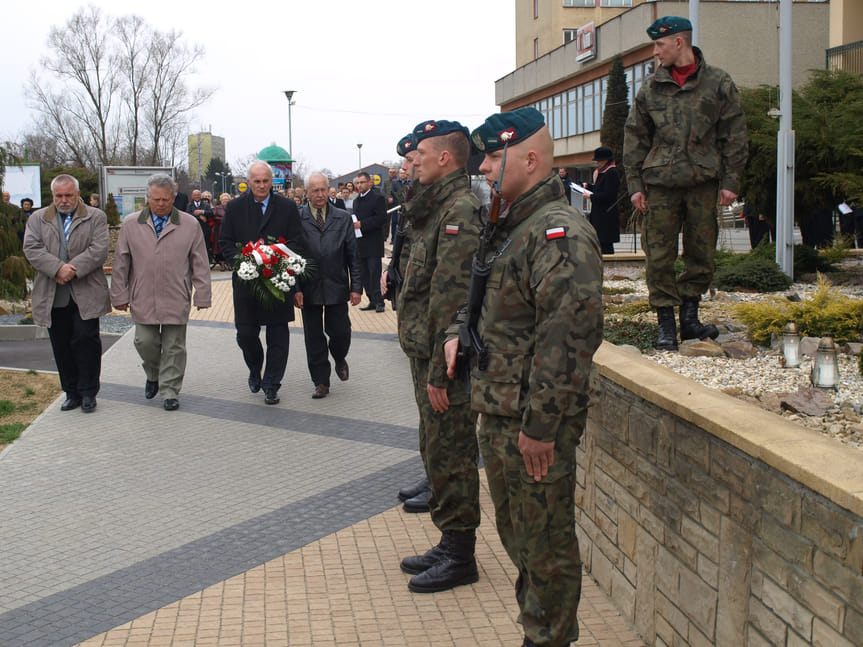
579, 109
536, 8
557, 117
569, 35
597, 104
570, 113
536, 48
580, 3
615, 3
588, 107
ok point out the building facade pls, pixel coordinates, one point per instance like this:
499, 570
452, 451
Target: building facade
202, 148
741, 37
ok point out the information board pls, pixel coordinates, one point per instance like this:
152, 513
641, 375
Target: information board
128, 184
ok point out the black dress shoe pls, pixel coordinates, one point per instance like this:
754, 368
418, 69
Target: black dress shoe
419, 503
342, 370
371, 306
271, 396
380, 308
171, 404
254, 382
412, 490
70, 403
88, 404
151, 388
321, 391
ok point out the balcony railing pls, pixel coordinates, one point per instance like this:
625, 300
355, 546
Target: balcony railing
846, 57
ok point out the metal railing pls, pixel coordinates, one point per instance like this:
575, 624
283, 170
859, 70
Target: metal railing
848, 57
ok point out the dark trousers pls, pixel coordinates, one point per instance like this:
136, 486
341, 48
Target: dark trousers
370, 274
278, 340
319, 323
77, 351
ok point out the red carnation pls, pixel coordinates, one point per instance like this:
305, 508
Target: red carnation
282, 240
273, 260
247, 250
267, 272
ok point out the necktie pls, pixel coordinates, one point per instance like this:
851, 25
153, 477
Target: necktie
159, 223
320, 218
67, 224
260, 206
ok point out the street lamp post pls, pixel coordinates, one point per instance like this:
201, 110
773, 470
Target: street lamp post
360, 156
289, 94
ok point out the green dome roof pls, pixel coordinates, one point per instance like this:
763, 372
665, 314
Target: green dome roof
274, 154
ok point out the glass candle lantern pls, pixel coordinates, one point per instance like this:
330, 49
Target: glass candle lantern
791, 346
825, 369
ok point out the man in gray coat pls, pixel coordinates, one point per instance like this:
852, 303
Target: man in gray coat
160, 255
67, 244
331, 246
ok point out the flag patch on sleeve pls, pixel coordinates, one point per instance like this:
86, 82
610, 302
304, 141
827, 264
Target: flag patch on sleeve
451, 229
555, 232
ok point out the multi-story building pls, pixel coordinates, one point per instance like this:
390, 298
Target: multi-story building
202, 148
568, 83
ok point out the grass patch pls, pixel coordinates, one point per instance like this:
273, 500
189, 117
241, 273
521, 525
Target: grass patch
629, 309
10, 432
6, 407
608, 290
641, 334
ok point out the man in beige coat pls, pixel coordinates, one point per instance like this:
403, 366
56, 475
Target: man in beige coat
67, 244
160, 255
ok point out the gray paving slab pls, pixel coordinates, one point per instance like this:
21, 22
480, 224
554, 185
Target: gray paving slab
114, 514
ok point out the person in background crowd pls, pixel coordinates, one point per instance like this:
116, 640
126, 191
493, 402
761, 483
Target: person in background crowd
604, 215
218, 216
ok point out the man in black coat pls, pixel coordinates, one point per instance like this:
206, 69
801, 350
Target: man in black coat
181, 200
331, 245
370, 211
261, 214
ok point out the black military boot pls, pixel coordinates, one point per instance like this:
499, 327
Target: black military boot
667, 329
416, 564
690, 327
455, 568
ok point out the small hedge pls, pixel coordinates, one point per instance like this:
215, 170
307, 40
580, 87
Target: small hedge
827, 312
751, 273
641, 334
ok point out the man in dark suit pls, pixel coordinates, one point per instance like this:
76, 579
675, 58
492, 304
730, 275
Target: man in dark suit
335, 199
331, 244
370, 211
181, 200
261, 214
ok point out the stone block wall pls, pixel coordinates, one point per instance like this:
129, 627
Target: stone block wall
712, 522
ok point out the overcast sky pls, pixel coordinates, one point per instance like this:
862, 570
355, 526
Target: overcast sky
363, 72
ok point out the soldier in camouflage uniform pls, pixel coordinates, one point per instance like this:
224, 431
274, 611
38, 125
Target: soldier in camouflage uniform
540, 322
685, 142
445, 228
416, 497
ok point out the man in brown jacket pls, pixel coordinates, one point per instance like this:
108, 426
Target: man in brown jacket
160, 255
67, 244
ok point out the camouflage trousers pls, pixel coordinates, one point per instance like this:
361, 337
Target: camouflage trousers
450, 454
690, 210
536, 524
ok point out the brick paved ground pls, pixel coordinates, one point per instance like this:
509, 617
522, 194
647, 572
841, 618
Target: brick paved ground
229, 522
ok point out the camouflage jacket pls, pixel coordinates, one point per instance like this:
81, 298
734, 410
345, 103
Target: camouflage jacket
445, 227
541, 318
682, 136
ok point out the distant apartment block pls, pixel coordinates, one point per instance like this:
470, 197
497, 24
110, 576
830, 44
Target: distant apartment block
202, 148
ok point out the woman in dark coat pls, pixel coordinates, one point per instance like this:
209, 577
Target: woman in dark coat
603, 213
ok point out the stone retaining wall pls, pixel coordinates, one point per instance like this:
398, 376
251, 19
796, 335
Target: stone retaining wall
710, 521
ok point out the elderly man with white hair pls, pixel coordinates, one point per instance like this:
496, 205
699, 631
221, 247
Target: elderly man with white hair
261, 214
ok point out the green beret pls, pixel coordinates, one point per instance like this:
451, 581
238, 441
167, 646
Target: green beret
406, 145
507, 128
434, 128
667, 26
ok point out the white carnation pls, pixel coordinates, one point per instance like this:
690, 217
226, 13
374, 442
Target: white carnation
247, 271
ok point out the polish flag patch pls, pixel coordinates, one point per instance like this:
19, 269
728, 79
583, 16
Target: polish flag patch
452, 230
555, 232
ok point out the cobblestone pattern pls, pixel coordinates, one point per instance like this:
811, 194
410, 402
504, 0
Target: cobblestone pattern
724, 549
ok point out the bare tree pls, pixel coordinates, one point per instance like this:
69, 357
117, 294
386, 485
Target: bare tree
134, 58
80, 58
170, 100
117, 90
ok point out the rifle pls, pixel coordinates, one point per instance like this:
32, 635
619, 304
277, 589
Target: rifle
394, 276
471, 346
